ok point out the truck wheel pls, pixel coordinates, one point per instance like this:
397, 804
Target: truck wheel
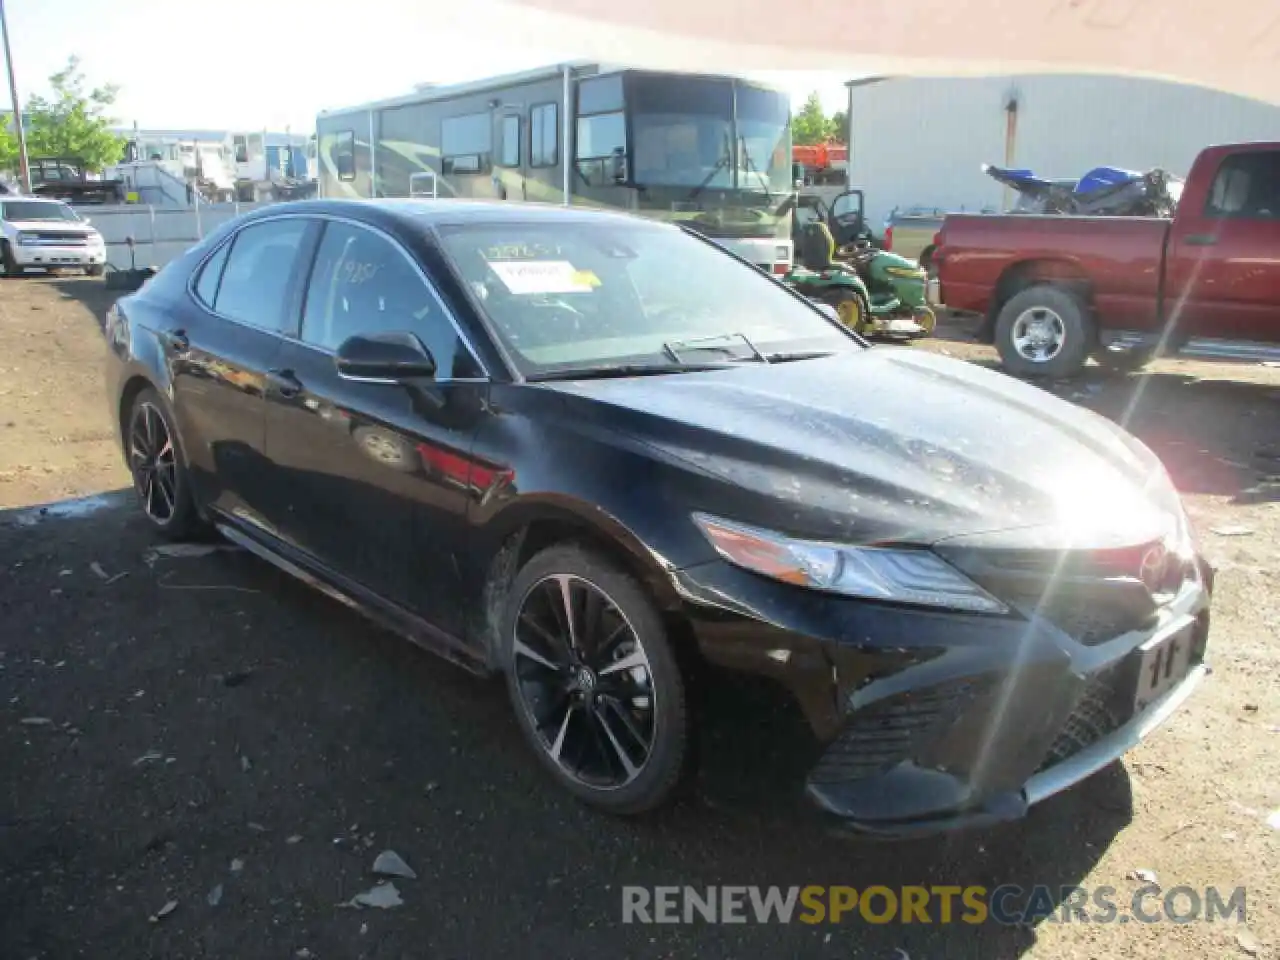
1044, 331
851, 309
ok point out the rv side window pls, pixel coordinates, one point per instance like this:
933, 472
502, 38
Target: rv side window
509, 149
544, 135
466, 143
344, 155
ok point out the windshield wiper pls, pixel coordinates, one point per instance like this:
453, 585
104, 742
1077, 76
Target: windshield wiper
797, 355
724, 161
604, 371
752, 168
715, 344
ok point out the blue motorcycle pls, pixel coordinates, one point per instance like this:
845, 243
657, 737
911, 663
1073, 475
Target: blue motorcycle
1102, 192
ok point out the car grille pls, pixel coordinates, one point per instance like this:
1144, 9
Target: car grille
885, 733
54, 238
1103, 708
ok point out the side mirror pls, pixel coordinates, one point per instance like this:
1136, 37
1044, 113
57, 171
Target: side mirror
384, 358
85, 220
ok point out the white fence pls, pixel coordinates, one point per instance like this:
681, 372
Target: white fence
159, 234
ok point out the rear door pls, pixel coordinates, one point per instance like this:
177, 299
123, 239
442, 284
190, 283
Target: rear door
1223, 273
247, 294
373, 479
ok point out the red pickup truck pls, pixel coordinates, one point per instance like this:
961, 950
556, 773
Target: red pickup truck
1055, 290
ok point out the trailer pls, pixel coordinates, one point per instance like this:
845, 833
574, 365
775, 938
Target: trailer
710, 152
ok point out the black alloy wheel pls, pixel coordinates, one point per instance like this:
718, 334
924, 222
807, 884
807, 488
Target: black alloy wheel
595, 686
155, 462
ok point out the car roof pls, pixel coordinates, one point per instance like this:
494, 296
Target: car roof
429, 213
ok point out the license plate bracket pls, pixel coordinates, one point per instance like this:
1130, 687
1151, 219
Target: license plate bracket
1162, 663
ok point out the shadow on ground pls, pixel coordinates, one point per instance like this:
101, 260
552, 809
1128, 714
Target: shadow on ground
207, 710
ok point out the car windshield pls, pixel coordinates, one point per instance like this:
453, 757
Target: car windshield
20, 210
579, 295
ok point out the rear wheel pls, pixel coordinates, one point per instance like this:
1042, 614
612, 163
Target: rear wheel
1044, 331
160, 478
594, 682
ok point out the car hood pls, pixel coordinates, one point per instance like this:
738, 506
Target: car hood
892, 444
61, 226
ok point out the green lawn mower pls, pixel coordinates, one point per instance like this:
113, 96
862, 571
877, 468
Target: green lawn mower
875, 293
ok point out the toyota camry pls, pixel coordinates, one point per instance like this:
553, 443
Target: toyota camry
597, 455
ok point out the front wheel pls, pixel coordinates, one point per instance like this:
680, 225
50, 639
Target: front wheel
851, 309
8, 264
94, 270
594, 682
1044, 331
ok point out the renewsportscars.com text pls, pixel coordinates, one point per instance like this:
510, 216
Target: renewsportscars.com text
1008, 904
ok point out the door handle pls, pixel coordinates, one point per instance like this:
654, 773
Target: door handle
177, 341
1200, 240
284, 382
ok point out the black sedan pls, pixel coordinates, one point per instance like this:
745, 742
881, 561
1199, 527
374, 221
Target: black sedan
596, 454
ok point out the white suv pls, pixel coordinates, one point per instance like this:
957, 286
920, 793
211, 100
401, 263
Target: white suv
43, 233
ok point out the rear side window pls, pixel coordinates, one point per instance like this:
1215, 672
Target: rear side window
256, 280
1247, 187
210, 274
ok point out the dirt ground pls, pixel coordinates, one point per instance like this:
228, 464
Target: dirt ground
161, 718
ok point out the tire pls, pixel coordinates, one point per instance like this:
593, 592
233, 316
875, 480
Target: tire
8, 265
143, 442
581, 751
1064, 323
851, 308
94, 270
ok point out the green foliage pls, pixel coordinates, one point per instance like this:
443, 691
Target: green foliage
8, 145
74, 122
840, 126
812, 125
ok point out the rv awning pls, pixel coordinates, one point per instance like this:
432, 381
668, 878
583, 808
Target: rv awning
1230, 45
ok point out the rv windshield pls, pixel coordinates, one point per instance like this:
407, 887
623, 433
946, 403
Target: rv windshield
685, 136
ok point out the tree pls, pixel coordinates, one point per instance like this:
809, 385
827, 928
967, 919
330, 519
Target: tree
8, 145
811, 124
74, 122
840, 126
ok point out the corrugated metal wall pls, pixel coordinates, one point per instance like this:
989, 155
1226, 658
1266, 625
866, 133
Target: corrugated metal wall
922, 141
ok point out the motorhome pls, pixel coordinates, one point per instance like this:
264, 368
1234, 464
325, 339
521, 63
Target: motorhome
710, 152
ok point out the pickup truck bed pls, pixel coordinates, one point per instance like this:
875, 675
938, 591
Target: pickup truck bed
1120, 258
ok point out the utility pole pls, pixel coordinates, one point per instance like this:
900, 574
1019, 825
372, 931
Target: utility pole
24, 171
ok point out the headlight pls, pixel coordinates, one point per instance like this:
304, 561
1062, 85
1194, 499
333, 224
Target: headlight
897, 574
95, 239
26, 238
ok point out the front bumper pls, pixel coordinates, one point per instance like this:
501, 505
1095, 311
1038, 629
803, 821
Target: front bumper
937, 721
50, 255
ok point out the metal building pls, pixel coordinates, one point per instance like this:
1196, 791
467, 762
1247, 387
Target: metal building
922, 141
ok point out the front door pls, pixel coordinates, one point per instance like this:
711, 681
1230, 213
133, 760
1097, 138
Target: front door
846, 218
1223, 275
373, 478
220, 353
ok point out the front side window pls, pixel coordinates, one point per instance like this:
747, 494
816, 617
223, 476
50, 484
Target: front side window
601, 134
259, 272
578, 294
363, 283
1247, 187
466, 143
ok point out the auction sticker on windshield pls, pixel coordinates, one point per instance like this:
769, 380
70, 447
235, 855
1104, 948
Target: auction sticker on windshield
544, 276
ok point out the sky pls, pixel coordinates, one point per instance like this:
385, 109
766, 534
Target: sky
262, 65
